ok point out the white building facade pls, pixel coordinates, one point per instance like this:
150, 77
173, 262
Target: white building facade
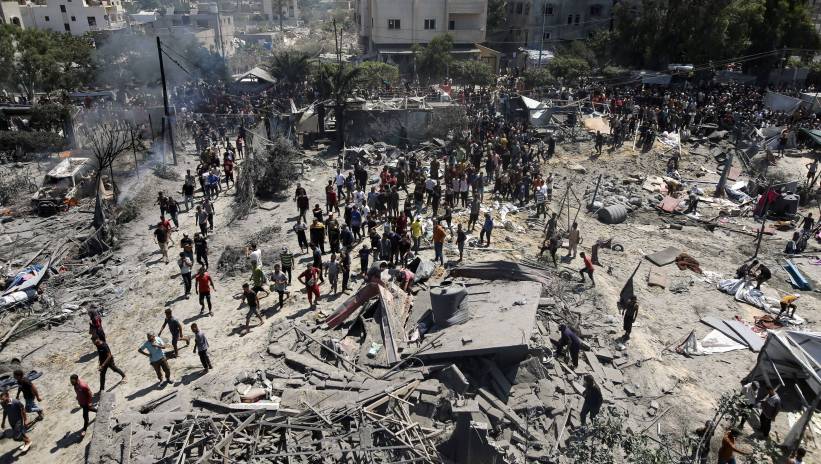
393, 27
76, 17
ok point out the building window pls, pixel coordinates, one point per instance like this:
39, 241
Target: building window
510, 8
66, 27
548, 9
546, 36
577, 19
46, 18
527, 9
519, 7
595, 10
73, 18
92, 21
394, 24
569, 19
451, 25
430, 24
62, 8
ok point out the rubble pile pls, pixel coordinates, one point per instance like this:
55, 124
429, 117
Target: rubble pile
456, 390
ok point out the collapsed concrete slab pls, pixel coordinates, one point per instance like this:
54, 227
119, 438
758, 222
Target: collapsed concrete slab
502, 317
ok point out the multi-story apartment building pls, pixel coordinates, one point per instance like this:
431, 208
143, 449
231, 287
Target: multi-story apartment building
289, 12
390, 28
536, 22
73, 16
214, 30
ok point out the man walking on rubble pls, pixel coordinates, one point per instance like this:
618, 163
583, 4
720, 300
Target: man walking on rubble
587, 269
31, 394
439, 235
18, 420
631, 312
175, 327
203, 288
106, 360
599, 143
161, 237
770, 407
84, 400
592, 399
251, 298
311, 278
571, 340
201, 347
574, 239
154, 350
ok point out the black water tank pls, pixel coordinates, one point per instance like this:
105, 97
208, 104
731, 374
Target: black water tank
446, 301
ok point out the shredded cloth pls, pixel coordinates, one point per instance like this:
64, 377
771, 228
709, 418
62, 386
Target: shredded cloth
685, 261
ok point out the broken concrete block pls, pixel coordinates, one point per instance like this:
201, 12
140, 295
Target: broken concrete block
454, 379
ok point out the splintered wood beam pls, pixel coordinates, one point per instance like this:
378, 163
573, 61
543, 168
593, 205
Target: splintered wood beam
226, 440
181, 456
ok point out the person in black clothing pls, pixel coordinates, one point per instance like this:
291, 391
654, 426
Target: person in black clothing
764, 274
30, 393
631, 311
592, 399
568, 338
106, 362
188, 195
201, 250
345, 267
461, 238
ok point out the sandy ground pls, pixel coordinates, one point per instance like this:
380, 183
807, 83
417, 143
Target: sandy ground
695, 384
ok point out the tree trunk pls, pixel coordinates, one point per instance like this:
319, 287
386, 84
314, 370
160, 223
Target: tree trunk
99, 214
339, 114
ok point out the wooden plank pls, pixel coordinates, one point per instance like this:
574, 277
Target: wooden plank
126, 456
226, 440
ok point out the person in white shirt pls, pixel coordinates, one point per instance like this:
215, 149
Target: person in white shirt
339, 180
255, 256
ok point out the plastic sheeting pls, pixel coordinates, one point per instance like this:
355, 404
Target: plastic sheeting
779, 102
745, 292
717, 342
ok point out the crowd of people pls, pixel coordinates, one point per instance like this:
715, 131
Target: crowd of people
388, 225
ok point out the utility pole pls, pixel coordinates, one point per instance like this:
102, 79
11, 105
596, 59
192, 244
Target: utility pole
279, 14
763, 220
167, 119
541, 40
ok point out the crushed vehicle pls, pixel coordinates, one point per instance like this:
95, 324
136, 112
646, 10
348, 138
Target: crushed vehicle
63, 184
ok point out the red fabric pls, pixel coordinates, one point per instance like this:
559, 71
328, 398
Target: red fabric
588, 264
83, 393
203, 281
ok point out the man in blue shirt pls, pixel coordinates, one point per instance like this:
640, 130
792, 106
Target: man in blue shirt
153, 348
487, 228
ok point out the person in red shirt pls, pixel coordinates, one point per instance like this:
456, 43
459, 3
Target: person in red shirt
203, 289
587, 269
84, 399
228, 168
311, 278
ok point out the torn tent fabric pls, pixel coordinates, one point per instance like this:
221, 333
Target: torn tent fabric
717, 342
745, 292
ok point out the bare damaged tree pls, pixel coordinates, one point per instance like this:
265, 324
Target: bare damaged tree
107, 142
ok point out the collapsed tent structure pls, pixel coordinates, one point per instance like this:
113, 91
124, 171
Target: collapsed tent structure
790, 357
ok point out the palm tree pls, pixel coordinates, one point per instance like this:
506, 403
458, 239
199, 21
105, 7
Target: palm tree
289, 67
338, 82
